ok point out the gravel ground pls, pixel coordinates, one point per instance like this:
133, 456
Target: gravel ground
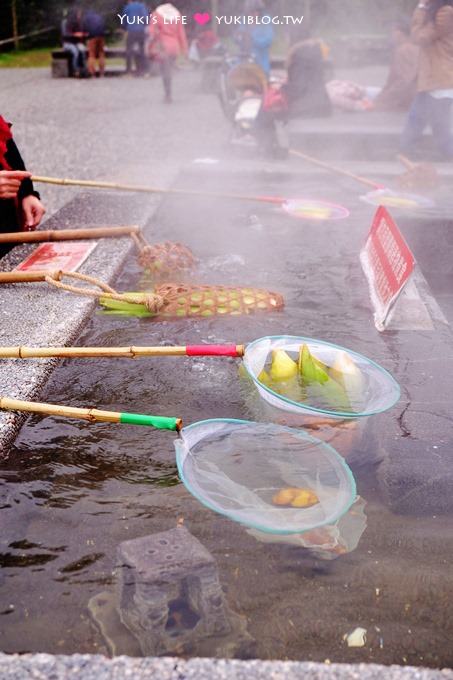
111, 128
45, 666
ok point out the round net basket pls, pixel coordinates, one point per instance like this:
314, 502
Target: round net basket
365, 390
254, 473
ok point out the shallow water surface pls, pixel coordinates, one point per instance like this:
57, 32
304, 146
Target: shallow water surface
71, 493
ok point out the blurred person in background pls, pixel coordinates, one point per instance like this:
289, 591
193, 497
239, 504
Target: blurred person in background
432, 30
259, 36
20, 205
204, 43
136, 34
302, 95
168, 41
401, 84
73, 37
305, 89
94, 27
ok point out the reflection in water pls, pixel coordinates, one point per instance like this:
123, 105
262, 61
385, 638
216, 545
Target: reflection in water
328, 542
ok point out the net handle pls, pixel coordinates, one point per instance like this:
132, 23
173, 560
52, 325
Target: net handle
153, 190
121, 352
92, 415
70, 234
336, 169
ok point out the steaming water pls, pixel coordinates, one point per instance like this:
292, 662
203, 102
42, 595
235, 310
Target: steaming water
70, 493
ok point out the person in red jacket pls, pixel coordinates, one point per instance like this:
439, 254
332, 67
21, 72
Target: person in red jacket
20, 205
168, 41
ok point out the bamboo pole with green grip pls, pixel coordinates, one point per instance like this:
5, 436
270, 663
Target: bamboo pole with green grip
91, 415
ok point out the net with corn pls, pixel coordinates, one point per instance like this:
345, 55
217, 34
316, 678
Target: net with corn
169, 300
161, 260
174, 300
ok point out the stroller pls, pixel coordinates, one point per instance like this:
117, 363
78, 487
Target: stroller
255, 109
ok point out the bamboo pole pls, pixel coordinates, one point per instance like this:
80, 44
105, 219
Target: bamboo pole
406, 162
28, 277
137, 188
120, 352
92, 415
69, 234
336, 169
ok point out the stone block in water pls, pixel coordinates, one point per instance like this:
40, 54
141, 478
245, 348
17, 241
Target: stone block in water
170, 596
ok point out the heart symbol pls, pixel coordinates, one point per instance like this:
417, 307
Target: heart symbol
202, 19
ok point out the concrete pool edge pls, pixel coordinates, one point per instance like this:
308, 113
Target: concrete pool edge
46, 666
38, 315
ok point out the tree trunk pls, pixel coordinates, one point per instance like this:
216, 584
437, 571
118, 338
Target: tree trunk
14, 19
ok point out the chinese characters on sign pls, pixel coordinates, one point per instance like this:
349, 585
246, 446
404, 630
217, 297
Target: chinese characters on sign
387, 262
65, 256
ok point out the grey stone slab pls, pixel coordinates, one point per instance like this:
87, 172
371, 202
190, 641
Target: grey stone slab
372, 135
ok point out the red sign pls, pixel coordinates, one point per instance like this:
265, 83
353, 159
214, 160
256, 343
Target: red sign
387, 262
62, 255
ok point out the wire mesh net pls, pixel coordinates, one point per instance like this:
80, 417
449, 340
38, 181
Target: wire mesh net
272, 478
206, 301
309, 209
397, 199
184, 301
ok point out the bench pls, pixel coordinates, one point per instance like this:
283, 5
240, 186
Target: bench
61, 62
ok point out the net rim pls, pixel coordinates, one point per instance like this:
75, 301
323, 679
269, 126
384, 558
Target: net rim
342, 212
299, 432
422, 201
312, 409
